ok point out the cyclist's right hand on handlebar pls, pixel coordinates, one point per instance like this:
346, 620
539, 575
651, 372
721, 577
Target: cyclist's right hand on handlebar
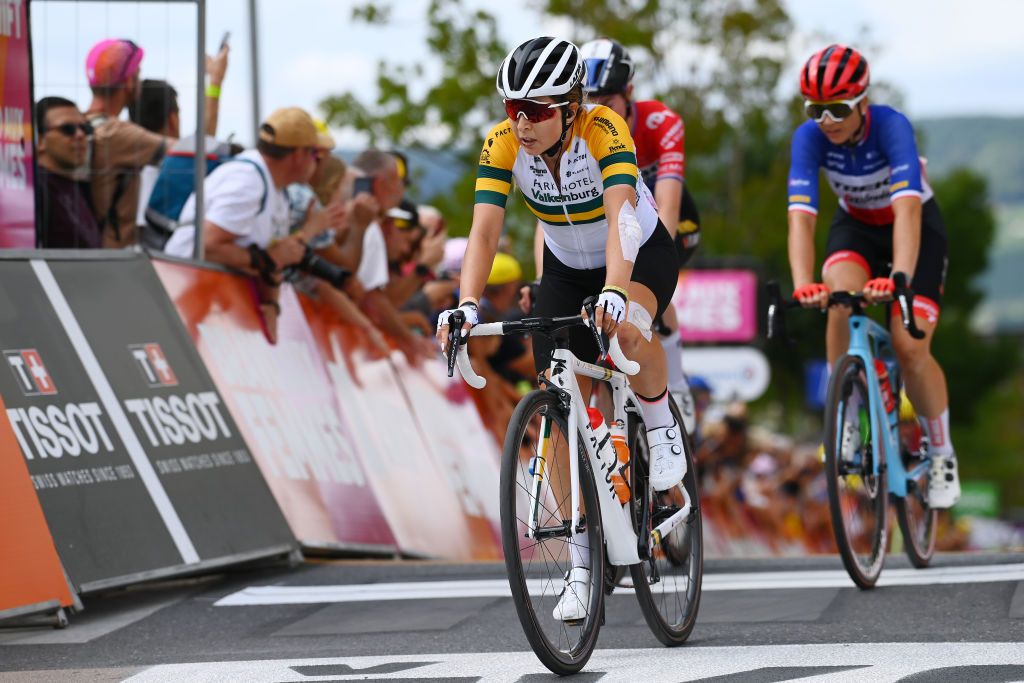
469, 309
813, 295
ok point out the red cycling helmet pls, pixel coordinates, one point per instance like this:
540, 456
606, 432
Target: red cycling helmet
835, 73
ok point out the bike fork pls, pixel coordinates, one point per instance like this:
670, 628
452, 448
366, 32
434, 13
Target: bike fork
538, 468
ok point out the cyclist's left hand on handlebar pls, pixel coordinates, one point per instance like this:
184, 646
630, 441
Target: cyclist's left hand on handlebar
472, 318
610, 309
879, 289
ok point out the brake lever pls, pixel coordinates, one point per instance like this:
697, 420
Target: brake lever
589, 304
777, 313
905, 298
455, 323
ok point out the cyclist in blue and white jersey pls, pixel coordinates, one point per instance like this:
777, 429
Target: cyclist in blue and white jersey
888, 221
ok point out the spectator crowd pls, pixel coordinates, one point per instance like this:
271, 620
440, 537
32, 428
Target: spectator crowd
289, 210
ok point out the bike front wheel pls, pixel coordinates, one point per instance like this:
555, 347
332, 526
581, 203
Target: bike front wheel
537, 537
668, 582
857, 492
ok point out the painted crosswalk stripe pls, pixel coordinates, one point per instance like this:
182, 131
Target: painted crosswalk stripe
839, 662
418, 590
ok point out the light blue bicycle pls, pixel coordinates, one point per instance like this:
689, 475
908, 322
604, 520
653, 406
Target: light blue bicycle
868, 456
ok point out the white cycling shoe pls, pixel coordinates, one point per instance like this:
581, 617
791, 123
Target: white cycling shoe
572, 605
943, 482
668, 460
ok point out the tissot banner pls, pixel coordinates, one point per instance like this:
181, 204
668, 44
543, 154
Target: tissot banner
104, 522
173, 407
137, 463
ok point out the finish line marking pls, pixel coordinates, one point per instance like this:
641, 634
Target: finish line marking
840, 662
486, 588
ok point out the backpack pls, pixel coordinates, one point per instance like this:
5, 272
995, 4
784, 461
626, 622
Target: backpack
176, 182
179, 240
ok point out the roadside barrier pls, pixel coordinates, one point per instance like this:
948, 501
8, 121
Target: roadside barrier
31, 576
138, 465
359, 449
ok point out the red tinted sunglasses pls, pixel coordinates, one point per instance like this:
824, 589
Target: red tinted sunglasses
534, 111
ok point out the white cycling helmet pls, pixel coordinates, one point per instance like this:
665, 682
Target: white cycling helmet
541, 67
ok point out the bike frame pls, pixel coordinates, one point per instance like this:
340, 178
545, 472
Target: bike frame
620, 540
869, 340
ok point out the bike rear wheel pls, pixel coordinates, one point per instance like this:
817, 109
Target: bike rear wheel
668, 583
537, 565
918, 522
857, 496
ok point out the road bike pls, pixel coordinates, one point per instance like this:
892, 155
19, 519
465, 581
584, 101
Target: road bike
869, 456
550, 501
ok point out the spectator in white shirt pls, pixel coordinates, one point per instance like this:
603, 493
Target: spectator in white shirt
246, 211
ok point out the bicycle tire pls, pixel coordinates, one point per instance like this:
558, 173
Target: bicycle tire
563, 647
863, 554
675, 563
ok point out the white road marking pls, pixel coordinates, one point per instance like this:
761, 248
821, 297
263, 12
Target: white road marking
419, 590
874, 661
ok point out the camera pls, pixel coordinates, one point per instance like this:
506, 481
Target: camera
325, 270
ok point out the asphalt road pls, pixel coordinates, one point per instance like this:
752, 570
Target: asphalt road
760, 620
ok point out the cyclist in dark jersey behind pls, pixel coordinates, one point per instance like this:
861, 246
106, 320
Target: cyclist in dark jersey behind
659, 136
888, 221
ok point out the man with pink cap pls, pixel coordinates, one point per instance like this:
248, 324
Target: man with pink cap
120, 149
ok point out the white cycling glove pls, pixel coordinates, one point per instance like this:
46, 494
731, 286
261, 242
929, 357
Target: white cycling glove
613, 300
469, 309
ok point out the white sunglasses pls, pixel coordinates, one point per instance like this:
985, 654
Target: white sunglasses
837, 110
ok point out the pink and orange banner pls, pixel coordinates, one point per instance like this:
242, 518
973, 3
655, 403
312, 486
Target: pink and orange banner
361, 450
17, 198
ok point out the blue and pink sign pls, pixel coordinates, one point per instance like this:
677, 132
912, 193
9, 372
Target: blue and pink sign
717, 305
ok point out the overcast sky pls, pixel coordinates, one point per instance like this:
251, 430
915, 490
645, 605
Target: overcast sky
946, 56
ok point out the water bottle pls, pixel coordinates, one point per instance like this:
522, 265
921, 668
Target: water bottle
883, 383
619, 477
612, 459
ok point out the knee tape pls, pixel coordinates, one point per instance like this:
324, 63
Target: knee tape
640, 318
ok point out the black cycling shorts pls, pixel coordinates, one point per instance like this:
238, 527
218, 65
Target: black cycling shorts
562, 290
870, 246
688, 233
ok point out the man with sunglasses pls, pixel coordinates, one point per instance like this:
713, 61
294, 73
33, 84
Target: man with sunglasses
888, 221
65, 216
119, 149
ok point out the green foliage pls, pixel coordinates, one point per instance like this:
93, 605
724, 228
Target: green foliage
973, 365
373, 14
990, 146
990, 447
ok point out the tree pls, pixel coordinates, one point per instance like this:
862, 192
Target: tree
453, 113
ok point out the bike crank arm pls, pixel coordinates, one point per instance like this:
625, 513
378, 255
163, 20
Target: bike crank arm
659, 532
